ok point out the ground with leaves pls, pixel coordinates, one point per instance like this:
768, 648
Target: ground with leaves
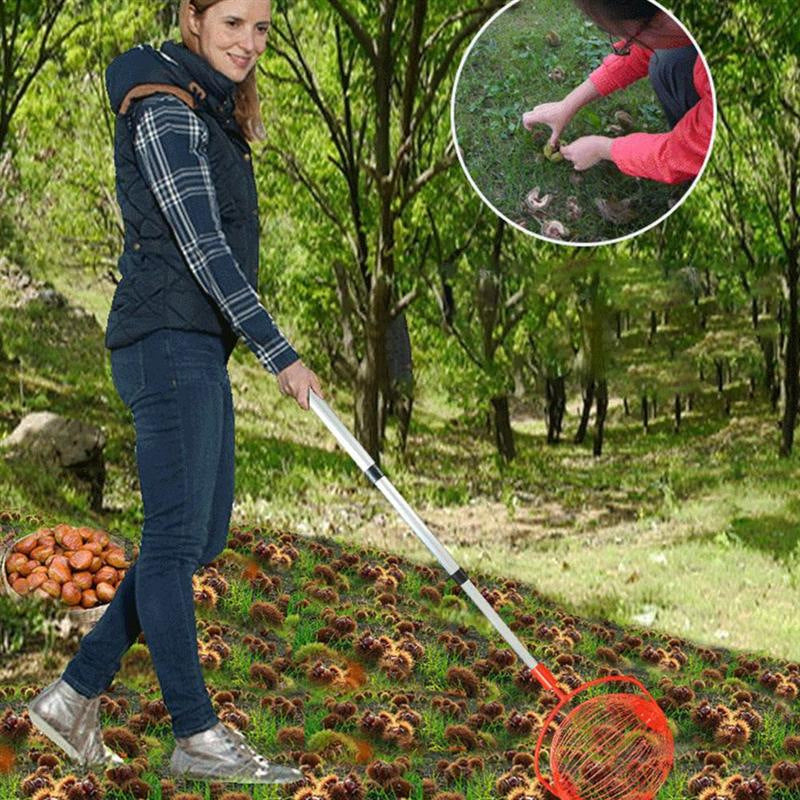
359, 664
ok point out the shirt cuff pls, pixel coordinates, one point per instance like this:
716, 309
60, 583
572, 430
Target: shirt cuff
284, 359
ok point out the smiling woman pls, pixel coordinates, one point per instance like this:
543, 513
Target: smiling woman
231, 36
185, 115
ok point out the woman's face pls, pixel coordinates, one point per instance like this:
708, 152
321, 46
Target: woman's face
660, 32
232, 35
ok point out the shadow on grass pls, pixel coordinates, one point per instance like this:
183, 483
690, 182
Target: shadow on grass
285, 468
57, 360
776, 536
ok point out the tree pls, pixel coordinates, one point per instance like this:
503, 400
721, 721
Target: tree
481, 301
27, 42
64, 132
380, 93
595, 310
759, 169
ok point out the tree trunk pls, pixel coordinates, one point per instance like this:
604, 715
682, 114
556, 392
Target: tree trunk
626, 407
556, 404
600, 417
720, 375
645, 420
367, 421
372, 390
768, 350
503, 435
588, 401
791, 378
677, 413
400, 374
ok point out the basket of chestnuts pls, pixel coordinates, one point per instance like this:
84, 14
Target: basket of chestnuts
79, 568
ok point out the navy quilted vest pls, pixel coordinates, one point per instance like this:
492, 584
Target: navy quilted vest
157, 289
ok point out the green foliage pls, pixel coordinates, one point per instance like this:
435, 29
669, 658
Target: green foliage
23, 623
322, 739
305, 639
433, 668
313, 650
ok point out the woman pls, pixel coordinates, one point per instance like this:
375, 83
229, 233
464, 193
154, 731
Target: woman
185, 184
653, 43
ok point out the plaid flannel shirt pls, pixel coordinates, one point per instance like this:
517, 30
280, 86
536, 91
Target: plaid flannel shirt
170, 143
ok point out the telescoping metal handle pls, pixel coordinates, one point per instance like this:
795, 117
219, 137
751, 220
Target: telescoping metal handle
387, 489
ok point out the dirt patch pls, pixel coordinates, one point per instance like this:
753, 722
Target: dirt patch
36, 668
493, 526
486, 523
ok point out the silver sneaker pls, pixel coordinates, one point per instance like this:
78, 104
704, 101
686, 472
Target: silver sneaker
223, 754
72, 721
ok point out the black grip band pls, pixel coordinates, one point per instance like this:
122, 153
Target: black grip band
374, 473
460, 577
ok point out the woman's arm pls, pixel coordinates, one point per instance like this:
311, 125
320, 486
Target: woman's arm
558, 114
672, 157
170, 144
617, 72
614, 73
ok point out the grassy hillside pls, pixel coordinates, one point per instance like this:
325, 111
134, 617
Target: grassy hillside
693, 533
404, 691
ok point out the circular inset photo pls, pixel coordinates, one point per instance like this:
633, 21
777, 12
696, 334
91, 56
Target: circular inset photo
583, 121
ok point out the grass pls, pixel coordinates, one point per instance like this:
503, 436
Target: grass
433, 668
347, 748
508, 72
433, 728
697, 530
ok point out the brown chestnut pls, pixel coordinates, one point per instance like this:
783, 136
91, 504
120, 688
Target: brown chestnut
81, 560
105, 592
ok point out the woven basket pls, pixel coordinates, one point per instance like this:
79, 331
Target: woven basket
83, 617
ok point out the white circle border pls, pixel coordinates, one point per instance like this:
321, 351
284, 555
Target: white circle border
561, 241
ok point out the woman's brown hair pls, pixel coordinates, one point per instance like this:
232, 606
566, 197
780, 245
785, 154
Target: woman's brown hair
248, 109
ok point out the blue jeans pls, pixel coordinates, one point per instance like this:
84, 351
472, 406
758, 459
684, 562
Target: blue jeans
176, 384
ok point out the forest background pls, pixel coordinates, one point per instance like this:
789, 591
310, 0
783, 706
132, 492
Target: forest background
613, 424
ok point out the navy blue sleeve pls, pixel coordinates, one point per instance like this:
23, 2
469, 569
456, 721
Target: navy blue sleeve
170, 142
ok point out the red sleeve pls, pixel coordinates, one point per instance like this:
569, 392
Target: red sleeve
675, 156
616, 72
